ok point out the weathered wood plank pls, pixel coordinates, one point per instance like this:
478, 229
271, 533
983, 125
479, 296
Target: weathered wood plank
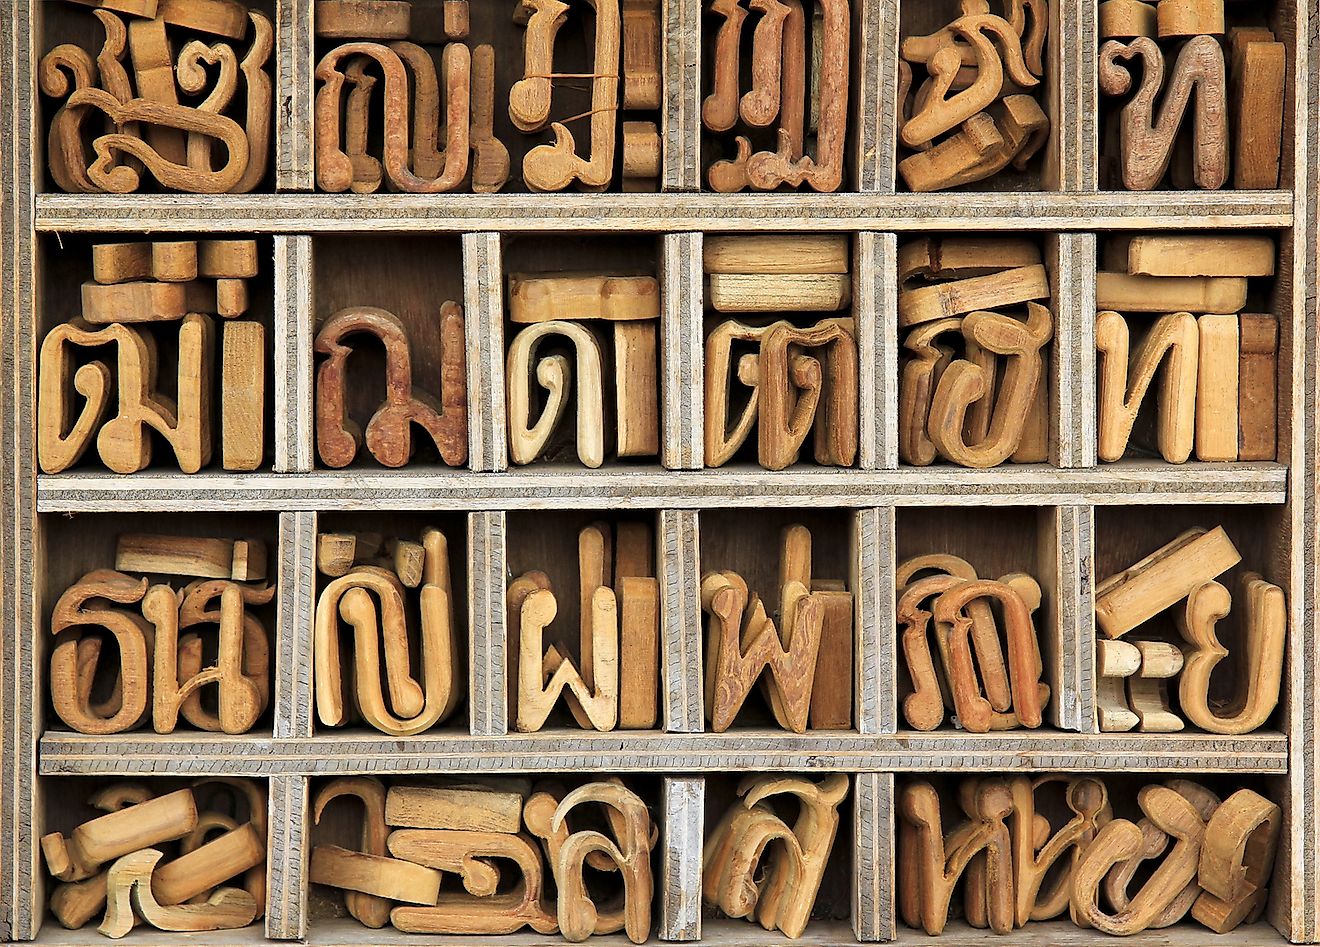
658, 213
551, 487
875, 294
1068, 632
1072, 364
679, 571
22, 889
680, 64
875, 708
292, 635
873, 914
1073, 155
682, 356
683, 803
289, 846
875, 111
483, 309
295, 323
294, 63
750, 750
488, 701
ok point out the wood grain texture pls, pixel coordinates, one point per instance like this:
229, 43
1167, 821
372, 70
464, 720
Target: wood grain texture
294, 160
21, 691
295, 604
547, 487
679, 572
680, 73
658, 213
875, 118
294, 333
1073, 400
1073, 658
743, 749
875, 690
483, 310
873, 857
875, 282
1073, 98
682, 821
488, 700
287, 883
682, 353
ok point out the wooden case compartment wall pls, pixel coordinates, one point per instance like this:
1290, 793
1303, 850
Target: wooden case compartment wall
1067, 502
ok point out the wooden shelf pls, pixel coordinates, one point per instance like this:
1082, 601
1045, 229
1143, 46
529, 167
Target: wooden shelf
546, 487
671, 212
65, 753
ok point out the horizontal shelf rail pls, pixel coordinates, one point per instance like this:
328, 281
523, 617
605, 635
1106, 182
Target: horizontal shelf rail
645, 751
340, 213
536, 488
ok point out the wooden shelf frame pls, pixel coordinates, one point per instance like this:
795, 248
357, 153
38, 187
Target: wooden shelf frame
1071, 215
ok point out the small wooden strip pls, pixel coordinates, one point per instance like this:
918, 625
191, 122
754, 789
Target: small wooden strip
682, 353
295, 605
873, 857
875, 703
680, 74
294, 321
679, 572
683, 800
1072, 654
875, 35
1073, 404
875, 280
1070, 92
294, 63
286, 860
483, 309
487, 637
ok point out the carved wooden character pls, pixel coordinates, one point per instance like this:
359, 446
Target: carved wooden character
755, 865
371, 600
178, 147
779, 97
743, 642
389, 432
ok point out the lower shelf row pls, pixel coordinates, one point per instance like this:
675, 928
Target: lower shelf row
583, 855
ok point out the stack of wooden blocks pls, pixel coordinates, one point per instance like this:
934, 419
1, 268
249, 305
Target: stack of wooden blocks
699, 470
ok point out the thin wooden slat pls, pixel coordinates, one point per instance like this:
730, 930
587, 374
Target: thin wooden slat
22, 888
286, 858
483, 308
1072, 365
1068, 621
682, 355
294, 63
294, 335
292, 634
873, 857
875, 111
1124, 483
1295, 907
682, 802
644, 751
487, 637
679, 571
875, 708
669, 212
1073, 98
875, 294
680, 62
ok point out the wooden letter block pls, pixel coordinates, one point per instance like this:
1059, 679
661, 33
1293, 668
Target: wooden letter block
243, 395
1217, 389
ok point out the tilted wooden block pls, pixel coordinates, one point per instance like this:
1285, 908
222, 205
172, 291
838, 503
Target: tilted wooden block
390, 878
104, 839
1128, 598
1002, 288
243, 560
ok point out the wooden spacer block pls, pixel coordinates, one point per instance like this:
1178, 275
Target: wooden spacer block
641, 150
242, 560
575, 296
1217, 389
472, 808
1258, 386
222, 17
457, 19
1122, 292
243, 395
816, 253
134, 302
174, 261
227, 259
1180, 18
778, 292
364, 19
1126, 19
1258, 83
121, 262
1191, 255
231, 298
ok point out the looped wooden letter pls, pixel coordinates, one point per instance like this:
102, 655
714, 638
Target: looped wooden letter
527, 440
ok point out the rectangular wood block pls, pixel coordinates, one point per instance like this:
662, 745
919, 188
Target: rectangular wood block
1122, 292
1217, 389
470, 808
772, 253
778, 292
1258, 387
637, 388
1191, 255
243, 395
242, 560
832, 690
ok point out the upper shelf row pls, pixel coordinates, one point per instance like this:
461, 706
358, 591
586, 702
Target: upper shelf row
876, 96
